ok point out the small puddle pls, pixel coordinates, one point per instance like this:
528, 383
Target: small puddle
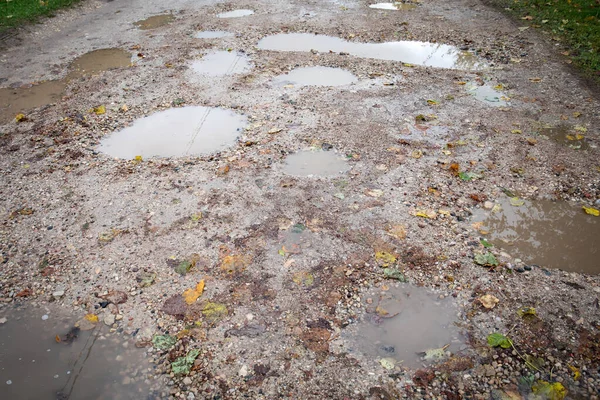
315, 163
418, 53
155, 21
567, 135
83, 365
487, 95
403, 322
316, 76
222, 63
546, 233
235, 14
176, 132
398, 6
212, 34
15, 100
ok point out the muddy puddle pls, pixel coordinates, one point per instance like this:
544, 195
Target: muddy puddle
417, 53
488, 95
545, 233
156, 21
318, 163
405, 326
221, 63
212, 34
397, 6
90, 364
176, 132
566, 135
235, 14
21, 99
316, 76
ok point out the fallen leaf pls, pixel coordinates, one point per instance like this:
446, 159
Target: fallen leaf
397, 231
214, 312
235, 263
434, 354
591, 211
387, 363
163, 342
138, 159
433, 102
385, 259
394, 273
488, 301
580, 128
20, 117
499, 340
191, 295
576, 372
485, 243
146, 279
431, 214
93, 318
469, 176
303, 278
549, 391
99, 110
486, 259
522, 312
416, 154
374, 192
274, 131
516, 131
535, 80
183, 365
517, 202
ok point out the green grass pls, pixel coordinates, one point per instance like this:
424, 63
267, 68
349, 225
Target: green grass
574, 23
17, 12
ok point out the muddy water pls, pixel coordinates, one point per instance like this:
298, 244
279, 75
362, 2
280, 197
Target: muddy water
315, 163
94, 365
316, 76
402, 322
567, 135
235, 14
418, 53
222, 63
16, 100
176, 132
549, 234
212, 34
488, 95
393, 6
155, 21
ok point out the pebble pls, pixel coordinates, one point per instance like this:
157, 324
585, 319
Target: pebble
58, 294
45, 317
3, 320
243, 371
187, 381
109, 319
488, 205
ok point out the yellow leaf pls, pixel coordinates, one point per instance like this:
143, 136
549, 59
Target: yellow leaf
138, 159
461, 83
20, 117
579, 136
488, 301
499, 87
384, 258
416, 154
576, 114
397, 231
550, 391
426, 214
93, 318
191, 295
576, 372
433, 102
580, 128
516, 131
517, 202
99, 110
591, 211
570, 137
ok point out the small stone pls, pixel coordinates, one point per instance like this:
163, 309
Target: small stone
109, 319
58, 294
243, 371
527, 267
187, 381
45, 317
3, 320
488, 205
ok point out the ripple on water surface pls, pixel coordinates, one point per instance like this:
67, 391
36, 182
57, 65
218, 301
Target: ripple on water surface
316, 76
221, 63
418, 53
552, 234
176, 132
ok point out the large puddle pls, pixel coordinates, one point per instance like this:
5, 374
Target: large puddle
549, 234
418, 53
402, 323
396, 6
316, 76
156, 21
222, 63
315, 164
42, 356
212, 34
567, 135
176, 132
235, 14
488, 95
16, 100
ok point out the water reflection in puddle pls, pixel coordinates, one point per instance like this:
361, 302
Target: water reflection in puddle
393, 6
155, 21
550, 234
315, 163
222, 63
84, 365
15, 100
316, 76
235, 14
567, 135
401, 323
419, 53
487, 95
212, 34
176, 132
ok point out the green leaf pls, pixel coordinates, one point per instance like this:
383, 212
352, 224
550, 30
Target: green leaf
485, 243
550, 391
183, 267
526, 311
499, 340
469, 176
508, 192
486, 259
394, 273
517, 202
163, 342
183, 365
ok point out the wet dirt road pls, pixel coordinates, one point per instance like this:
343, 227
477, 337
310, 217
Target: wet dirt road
305, 199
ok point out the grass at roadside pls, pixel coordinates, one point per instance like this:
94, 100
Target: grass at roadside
16, 12
574, 23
